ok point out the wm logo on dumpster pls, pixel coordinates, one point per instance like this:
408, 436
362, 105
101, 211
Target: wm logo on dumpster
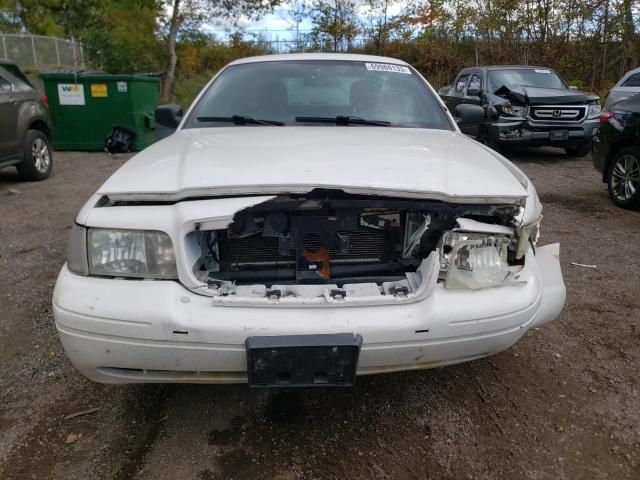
70, 88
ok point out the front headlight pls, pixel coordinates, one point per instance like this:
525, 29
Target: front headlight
474, 259
130, 253
515, 110
594, 110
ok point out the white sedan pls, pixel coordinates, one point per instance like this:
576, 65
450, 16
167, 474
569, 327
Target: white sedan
314, 217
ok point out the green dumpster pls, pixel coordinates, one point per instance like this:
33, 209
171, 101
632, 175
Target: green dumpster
85, 106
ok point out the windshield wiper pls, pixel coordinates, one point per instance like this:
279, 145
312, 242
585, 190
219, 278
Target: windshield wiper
343, 120
241, 120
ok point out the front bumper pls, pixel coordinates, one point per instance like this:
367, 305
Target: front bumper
524, 132
126, 331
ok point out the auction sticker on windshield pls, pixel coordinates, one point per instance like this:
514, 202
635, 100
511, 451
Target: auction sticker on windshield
387, 67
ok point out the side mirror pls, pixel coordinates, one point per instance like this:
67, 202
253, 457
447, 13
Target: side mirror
168, 116
474, 91
469, 115
444, 90
572, 87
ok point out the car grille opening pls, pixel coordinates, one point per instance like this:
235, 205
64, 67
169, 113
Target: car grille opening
364, 244
331, 238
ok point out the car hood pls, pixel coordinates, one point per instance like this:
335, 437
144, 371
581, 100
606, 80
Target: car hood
544, 96
236, 161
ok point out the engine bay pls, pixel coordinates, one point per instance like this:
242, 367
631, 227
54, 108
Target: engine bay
329, 238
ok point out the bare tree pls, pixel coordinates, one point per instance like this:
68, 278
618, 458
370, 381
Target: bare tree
335, 20
190, 13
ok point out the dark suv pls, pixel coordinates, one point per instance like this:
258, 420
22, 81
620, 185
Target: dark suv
25, 126
616, 152
526, 105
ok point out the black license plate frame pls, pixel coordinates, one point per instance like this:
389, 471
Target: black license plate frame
289, 361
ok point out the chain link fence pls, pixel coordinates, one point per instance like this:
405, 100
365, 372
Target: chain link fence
40, 53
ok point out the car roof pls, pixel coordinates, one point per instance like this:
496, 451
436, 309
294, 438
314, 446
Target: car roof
510, 67
487, 68
625, 77
6, 61
350, 57
631, 72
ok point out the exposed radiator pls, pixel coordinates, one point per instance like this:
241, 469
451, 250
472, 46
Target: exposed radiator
364, 243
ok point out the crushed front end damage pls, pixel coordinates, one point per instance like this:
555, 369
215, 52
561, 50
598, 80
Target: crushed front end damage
525, 95
429, 283
332, 248
542, 116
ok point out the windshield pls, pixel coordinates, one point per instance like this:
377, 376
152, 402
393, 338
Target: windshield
529, 77
318, 92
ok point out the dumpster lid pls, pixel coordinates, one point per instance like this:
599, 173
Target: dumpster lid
80, 74
67, 72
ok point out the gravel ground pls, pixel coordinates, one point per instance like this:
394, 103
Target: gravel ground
563, 403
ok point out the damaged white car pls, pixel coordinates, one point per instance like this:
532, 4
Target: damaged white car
313, 218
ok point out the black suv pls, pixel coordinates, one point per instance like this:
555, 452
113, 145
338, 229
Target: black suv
526, 105
616, 152
25, 126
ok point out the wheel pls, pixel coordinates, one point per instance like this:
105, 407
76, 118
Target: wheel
38, 160
623, 178
578, 150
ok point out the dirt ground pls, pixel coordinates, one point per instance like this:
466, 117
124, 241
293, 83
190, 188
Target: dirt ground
563, 403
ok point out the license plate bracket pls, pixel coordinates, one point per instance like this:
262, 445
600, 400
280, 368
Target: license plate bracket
303, 360
559, 135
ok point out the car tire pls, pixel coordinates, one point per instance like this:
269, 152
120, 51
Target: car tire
623, 178
38, 158
578, 150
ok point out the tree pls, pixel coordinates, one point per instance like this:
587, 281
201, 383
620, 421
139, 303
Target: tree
335, 20
590, 42
631, 48
295, 15
118, 35
10, 20
47, 17
176, 21
380, 22
190, 13
121, 36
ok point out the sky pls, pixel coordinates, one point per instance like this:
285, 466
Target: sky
280, 25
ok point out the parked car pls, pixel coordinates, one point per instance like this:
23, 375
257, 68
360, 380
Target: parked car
616, 152
313, 217
627, 86
25, 126
524, 105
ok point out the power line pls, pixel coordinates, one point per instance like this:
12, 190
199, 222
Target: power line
261, 30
